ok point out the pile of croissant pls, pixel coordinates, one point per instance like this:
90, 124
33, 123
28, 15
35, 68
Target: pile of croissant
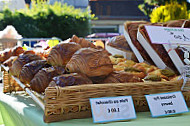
71, 63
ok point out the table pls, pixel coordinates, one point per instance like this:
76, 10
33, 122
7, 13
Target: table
21, 110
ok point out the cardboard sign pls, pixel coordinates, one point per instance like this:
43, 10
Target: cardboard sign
109, 109
166, 104
165, 35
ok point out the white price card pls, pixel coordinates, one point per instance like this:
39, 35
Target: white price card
166, 104
110, 109
166, 35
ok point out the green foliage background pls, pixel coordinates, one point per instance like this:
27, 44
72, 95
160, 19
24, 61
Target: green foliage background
44, 20
148, 5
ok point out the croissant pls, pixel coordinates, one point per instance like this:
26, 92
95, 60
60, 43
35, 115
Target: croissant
70, 80
121, 77
30, 69
84, 43
4, 55
91, 62
29, 52
20, 62
16, 51
61, 53
10, 61
42, 79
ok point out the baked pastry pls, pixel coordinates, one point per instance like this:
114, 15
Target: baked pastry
29, 52
4, 55
145, 67
69, 80
135, 71
174, 23
119, 42
132, 28
117, 59
82, 42
20, 62
16, 51
61, 53
163, 73
42, 79
91, 62
10, 61
121, 77
30, 69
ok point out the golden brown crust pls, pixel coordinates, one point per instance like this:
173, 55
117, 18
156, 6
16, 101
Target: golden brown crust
42, 79
82, 42
121, 77
4, 55
91, 62
20, 62
119, 42
30, 69
16, 51
61, 53
10, 61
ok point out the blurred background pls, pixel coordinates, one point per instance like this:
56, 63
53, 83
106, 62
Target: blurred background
85, 18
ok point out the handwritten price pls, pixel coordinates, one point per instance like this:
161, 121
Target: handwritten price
112, 110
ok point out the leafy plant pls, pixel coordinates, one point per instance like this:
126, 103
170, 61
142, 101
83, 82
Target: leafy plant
148, 5
44, 20
170, 11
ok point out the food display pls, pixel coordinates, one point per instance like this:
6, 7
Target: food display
70, 73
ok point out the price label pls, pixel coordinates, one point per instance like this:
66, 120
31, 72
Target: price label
166, 104
109, 109
166, 35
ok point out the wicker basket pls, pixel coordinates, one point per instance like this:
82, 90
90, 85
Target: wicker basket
73, 102
9, 84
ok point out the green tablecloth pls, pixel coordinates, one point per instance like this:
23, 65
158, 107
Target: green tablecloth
21, 110
1, 120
